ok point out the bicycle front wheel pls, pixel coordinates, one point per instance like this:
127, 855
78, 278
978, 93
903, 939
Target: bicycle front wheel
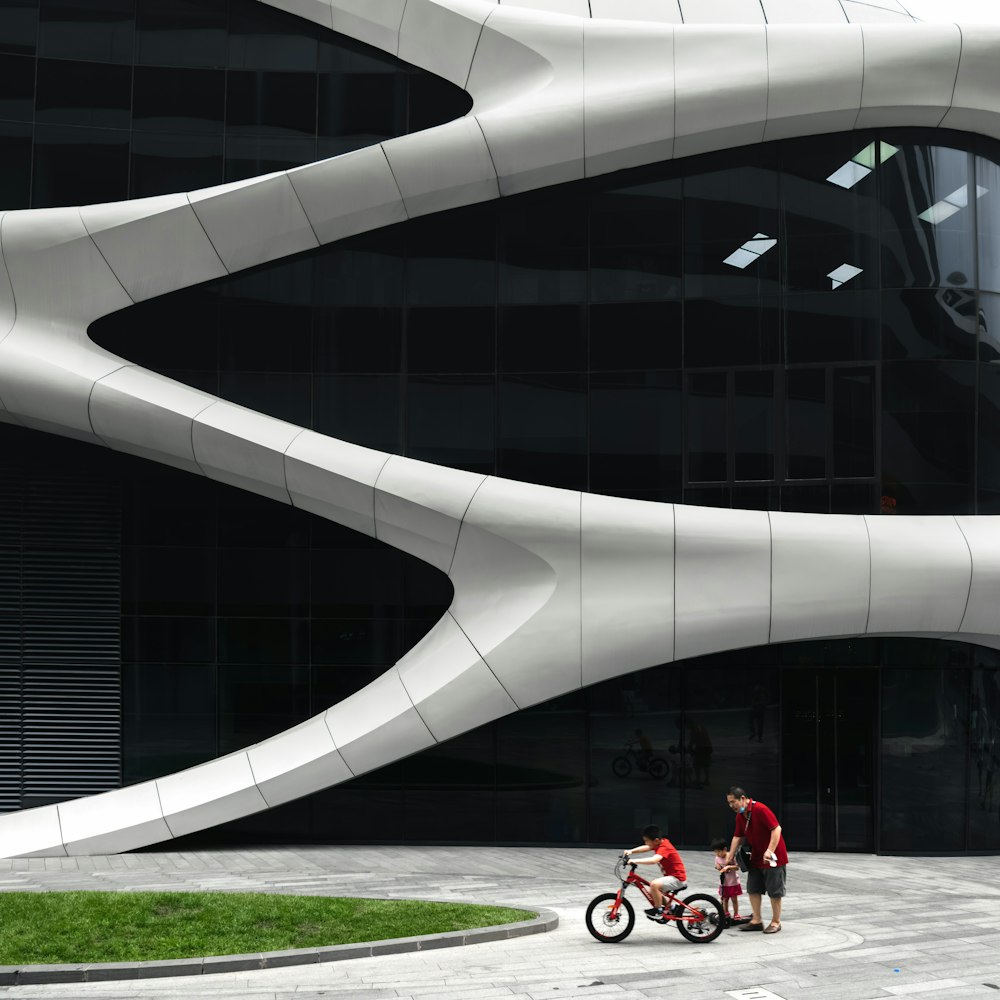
622, 767
605, 924
709, 925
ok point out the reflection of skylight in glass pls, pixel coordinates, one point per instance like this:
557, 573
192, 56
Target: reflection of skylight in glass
844, 273
859, 166
750, 251
950, 204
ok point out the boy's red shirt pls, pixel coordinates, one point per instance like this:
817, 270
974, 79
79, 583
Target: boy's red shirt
670, 860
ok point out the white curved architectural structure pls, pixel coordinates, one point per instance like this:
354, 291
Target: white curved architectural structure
554, 589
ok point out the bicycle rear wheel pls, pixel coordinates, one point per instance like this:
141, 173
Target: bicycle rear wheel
709, 927
607, 927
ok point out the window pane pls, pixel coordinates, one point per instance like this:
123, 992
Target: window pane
257, 702
181, 33
924, 714
853, 422
635, 335
829, 223
635, 252
832, 326
251, 156
928, 421
15, 164
806, 422
811, 499
543, 338
97, 30
988, 204
17, 98
362, 409
635, 434
731, 226
984, 763
79, 93
166, 162
18, 26
753, 425
928, 218
543, 430
944, 323
742, 331
633, 721
543, 249
450, 420
78, 166
169, 718
706, 428
280, 104
178, 100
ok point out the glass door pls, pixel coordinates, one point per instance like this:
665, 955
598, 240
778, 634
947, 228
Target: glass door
828, 739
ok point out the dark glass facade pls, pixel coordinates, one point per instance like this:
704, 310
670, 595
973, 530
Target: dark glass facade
803, 325
807, 325
114, 99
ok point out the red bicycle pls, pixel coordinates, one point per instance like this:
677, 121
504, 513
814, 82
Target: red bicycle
610, 917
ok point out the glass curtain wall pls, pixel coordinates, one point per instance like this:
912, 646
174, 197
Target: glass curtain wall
794, 326
114, 99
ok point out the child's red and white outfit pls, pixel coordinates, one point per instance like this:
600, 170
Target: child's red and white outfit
729, 882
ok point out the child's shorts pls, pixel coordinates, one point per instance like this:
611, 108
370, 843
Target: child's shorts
729, 891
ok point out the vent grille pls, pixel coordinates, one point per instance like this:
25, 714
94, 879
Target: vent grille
60, 636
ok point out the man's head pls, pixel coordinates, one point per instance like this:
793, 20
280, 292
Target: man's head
651, 836
738, 799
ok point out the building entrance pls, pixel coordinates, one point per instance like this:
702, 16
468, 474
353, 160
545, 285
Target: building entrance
829, 733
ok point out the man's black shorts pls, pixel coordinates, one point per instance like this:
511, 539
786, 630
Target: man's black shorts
767, 880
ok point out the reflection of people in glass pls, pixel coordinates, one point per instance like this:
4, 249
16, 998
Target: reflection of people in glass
700, 744
758, 704
643, 747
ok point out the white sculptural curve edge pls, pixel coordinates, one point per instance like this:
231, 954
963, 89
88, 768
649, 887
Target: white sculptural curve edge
554, 589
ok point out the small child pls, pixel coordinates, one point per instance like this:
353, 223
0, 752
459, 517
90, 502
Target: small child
730, 887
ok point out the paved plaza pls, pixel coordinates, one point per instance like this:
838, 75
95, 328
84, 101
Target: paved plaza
856, 927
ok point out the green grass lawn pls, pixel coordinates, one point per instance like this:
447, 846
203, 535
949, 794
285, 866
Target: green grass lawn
75, 927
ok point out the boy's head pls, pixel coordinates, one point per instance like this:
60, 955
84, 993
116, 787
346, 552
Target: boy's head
720, 846
651, 836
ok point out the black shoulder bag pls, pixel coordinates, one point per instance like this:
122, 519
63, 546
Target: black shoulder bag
742, 856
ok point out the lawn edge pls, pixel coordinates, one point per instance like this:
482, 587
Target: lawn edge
24, 975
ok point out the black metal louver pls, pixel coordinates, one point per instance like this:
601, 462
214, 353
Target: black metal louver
60, 636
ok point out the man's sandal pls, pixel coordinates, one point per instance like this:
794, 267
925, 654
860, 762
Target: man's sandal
772, 929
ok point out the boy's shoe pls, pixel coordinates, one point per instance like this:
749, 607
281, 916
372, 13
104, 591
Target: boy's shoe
656, 913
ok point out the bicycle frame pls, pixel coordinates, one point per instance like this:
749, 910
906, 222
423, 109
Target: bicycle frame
692, 916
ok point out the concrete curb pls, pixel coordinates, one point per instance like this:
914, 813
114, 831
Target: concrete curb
12, 975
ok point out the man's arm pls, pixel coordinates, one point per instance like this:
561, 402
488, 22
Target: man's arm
775, 837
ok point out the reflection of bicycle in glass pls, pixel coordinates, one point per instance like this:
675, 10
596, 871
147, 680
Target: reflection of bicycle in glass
610, 917
641, 760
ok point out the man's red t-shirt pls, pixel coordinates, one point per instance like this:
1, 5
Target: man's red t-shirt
670, 860
757, 830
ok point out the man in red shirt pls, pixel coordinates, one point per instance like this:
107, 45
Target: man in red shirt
665, 855
756, 824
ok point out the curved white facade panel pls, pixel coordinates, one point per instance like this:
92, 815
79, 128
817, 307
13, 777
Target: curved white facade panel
554, 589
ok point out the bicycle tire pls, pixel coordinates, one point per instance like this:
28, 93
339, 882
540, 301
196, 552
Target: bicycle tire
710, 928
658, 768
598, 919
622, 767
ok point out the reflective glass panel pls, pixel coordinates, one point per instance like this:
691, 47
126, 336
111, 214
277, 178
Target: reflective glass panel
806, 421
80, 93
100, 31
935, 184
78, 166
753, 425
706, 427
18, 26
181, 33
450, 420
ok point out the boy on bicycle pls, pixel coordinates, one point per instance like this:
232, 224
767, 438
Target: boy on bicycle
673, 877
